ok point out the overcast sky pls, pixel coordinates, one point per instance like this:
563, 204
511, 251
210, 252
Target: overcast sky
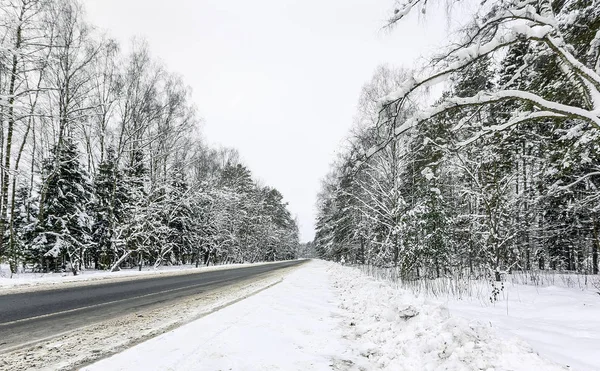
277, 79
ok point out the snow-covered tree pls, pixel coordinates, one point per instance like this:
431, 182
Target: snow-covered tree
500, 173
63, 232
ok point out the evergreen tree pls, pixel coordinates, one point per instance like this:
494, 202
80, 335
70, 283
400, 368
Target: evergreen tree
63, 231
110, 203
23, 227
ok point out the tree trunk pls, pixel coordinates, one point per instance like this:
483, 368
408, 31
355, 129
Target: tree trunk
9, 134
595, 248
207, 257
115, 266
497, 276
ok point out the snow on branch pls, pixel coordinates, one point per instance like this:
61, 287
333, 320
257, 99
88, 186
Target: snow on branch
403, 10
517, 22
462, 58
523, 23
554, 109
548, 110
522, 117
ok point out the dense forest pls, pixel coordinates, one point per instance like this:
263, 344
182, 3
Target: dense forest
103, 165
500, 172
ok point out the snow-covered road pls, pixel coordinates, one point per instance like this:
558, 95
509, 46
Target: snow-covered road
327, 317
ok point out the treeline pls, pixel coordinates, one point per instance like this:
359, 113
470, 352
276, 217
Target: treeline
102, 165
501, 173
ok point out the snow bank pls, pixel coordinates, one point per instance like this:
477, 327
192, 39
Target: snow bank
396, 330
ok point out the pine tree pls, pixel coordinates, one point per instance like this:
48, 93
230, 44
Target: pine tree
178, 218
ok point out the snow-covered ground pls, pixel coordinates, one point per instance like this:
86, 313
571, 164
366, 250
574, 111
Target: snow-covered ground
324, 316
555, 313
397, 331
562, 324
20, 281
291, 326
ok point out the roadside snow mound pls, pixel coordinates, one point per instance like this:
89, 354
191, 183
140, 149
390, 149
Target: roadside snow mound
398, 331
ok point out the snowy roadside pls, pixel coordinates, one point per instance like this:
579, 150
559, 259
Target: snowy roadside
74, 348
395, 330
557, 316
42, 281
328, 317
294, 325
562, 324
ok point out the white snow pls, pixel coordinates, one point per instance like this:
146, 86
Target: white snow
427, 173
562, 324
398, 331
288, 327
325, 316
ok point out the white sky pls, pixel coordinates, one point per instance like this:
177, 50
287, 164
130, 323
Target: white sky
277, 79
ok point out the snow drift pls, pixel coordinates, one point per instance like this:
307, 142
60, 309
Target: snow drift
395, 330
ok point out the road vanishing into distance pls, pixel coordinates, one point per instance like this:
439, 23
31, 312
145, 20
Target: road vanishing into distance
35, 315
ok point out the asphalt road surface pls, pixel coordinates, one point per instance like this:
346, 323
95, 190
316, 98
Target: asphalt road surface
38, 314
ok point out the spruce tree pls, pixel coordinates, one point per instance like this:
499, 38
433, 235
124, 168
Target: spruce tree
22, 228
63, 232
137, 209
109, 206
